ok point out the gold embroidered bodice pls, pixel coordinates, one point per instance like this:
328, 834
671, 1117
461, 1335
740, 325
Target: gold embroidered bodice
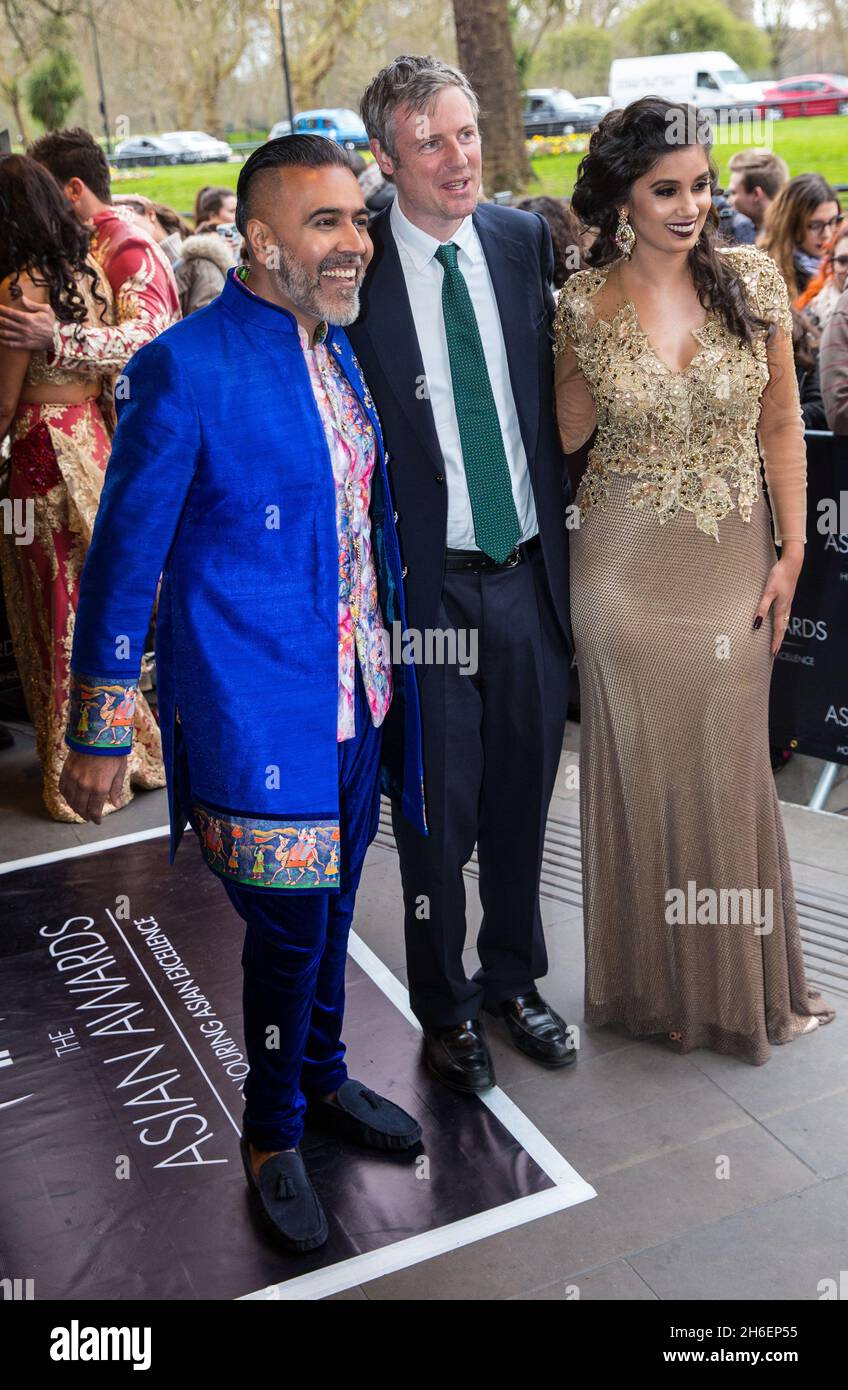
689, 438
40, 371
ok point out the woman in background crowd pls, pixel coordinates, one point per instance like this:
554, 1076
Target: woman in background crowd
833, 366
59, 449
163, 224
200, 259
806, 340
799, 225
205, 257
214, 204
565, 234
818, 300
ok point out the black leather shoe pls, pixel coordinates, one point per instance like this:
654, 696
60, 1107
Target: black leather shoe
460, 1056
536, 1030
361, 1115
287, 1199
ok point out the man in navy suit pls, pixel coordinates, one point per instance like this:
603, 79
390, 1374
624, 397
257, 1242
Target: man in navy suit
454, 338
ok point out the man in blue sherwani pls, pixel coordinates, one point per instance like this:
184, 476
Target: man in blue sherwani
248, 470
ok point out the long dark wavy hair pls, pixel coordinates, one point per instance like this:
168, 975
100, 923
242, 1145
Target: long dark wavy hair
40, 235
626, 145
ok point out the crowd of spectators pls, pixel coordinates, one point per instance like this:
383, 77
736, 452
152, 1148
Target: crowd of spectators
117, 268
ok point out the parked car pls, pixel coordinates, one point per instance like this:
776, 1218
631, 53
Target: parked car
146, 149
810, 94
279, 128
197, 147
339, 124
595, 106
554, 111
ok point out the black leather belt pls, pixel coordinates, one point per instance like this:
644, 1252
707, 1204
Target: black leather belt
476, 560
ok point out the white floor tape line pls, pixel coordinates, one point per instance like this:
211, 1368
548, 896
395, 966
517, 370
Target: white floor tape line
403, 1254
569, 1188
74, 851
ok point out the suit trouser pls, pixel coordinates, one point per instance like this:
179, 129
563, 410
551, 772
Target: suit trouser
492, 745
295, 948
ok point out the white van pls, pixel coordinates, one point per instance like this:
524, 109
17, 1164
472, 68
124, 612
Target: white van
705, 79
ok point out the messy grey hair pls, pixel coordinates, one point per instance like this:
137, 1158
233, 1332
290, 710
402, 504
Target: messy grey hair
413, 83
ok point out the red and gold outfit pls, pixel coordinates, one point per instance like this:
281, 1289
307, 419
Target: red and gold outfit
59, 454
145, 296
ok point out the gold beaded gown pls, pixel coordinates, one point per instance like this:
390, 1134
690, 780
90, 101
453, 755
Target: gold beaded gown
690, 925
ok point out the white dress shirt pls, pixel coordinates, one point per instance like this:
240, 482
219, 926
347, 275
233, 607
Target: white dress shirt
423, 275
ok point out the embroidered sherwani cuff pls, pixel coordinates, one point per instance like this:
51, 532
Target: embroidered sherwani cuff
283, 852
101, 712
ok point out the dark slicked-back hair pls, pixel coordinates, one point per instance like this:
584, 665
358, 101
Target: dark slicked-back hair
74, 154
299, 151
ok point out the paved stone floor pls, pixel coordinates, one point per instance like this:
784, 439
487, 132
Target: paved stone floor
651, 1131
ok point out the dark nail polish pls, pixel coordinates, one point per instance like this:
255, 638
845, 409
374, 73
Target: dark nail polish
758, 622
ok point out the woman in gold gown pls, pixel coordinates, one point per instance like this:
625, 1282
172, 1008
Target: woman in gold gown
677, 351
59, 424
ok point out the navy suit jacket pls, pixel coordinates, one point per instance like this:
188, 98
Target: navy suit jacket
517, 247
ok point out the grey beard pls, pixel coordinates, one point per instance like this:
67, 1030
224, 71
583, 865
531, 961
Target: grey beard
298, 286
343, 317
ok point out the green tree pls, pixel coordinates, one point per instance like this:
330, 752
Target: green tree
320, 34
776, 22
29, 28
52, 88
577, 57
686, 26
530, 21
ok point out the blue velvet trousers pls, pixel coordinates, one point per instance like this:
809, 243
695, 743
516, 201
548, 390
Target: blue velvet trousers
295, 947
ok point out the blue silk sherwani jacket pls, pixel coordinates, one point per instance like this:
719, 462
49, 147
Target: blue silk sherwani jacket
221, 481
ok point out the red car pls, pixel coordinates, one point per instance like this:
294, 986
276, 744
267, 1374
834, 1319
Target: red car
810, 94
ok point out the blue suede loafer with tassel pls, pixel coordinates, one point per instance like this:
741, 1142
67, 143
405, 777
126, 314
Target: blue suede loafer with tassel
366, 1118
288, 1201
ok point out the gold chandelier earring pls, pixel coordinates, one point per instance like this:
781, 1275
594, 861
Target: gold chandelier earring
624, 237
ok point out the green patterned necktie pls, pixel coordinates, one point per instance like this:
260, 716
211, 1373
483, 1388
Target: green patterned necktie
496, 526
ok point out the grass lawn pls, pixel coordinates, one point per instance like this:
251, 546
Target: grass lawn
175, 185
812, 144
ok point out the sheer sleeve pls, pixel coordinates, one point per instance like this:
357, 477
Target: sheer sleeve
575, 405
781, 423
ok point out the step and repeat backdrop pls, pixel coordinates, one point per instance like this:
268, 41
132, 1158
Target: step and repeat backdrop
809, 694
